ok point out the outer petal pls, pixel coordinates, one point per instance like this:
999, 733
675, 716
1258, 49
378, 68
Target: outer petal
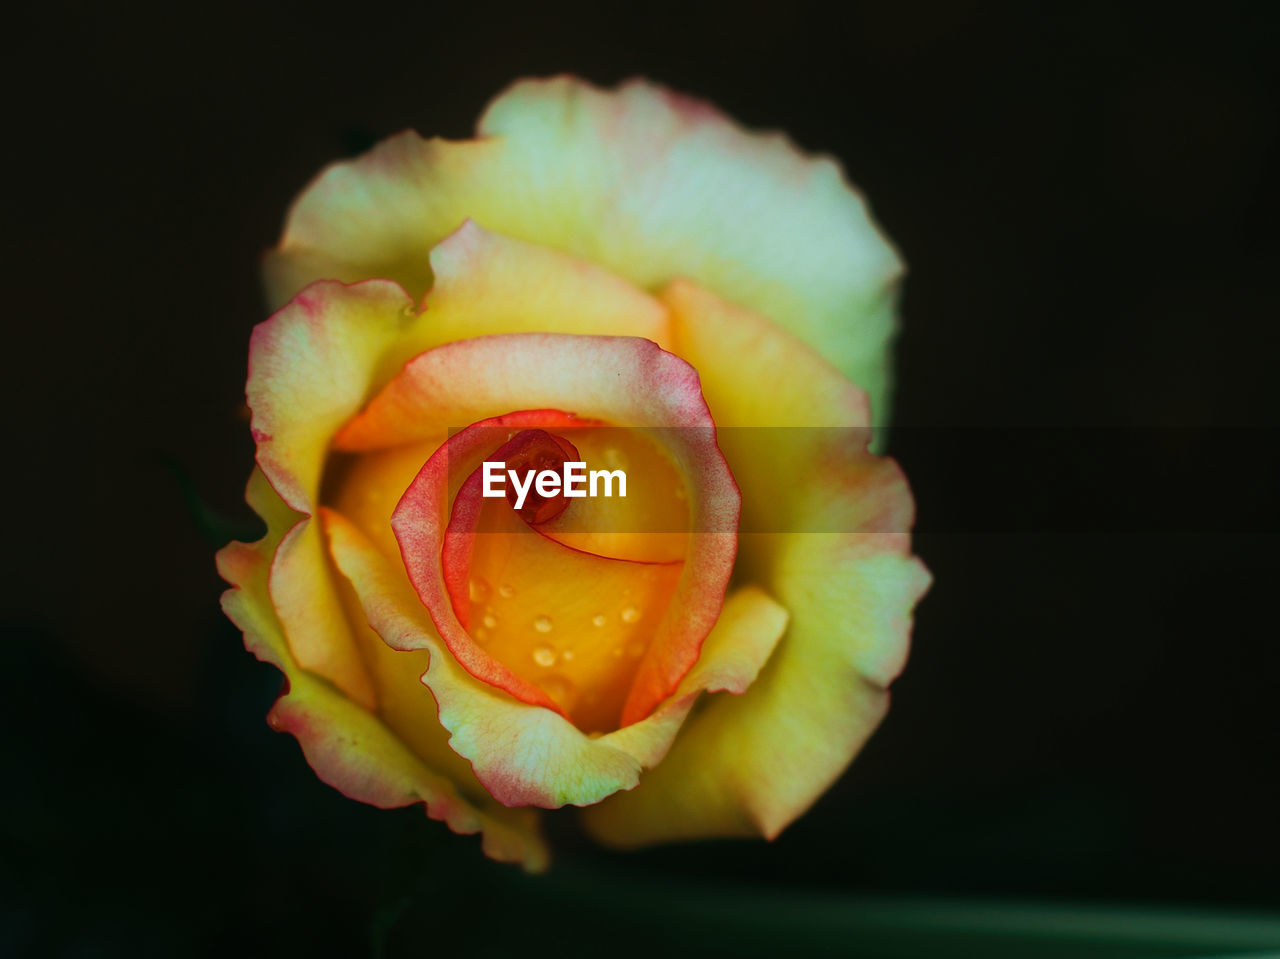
348, 747
645, 183
529, 755
311, 367
487, 283
379, 215
368, 491
753, 764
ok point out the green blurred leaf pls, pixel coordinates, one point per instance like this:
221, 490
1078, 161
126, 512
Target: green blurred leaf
672, 917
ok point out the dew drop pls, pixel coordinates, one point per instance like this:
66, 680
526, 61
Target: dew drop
598, 619
481, 635
567, 655
490, 620
478, 590
615, 458
680, 493
506, 591
544, 656
558, 688
630, 615
542, 624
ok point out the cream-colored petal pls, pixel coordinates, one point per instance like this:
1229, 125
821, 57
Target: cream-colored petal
645, 183
347, 746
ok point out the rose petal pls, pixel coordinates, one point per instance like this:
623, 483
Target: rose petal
347, 746
624, 381
487, 283
369, 488
529, 755
650, 523
315, 362
486, 539
484, 283
645, 183
311, 367
379, 215
752, 765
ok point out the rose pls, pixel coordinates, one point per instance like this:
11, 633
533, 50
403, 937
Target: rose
628, 258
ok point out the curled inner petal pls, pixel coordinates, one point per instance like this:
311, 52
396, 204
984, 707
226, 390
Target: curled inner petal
533, 452
627, 382
545, 620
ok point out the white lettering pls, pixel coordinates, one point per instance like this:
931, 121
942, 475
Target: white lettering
607, 476
548, 483
575, 478
521, 491
574, 482
493, 474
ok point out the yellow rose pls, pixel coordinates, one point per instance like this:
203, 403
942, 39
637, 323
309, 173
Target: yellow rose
620, 277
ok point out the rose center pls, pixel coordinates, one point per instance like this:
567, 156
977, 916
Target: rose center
561, 606
533, 452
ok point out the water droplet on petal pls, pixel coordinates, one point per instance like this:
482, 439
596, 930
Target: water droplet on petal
558, 688
567, 655
680, 493
542, 624
544, 656
478, 590
506, 591
481, 635
598, 619
490, 620
630, 614
615, 458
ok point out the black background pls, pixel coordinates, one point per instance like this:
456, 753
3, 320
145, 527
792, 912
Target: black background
1086, 199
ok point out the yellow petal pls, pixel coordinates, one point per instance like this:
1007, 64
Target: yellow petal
623, 381
486, 283
645, 183
311, 367
347, 746
752, 764
525, 754
551, 624
379, 215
